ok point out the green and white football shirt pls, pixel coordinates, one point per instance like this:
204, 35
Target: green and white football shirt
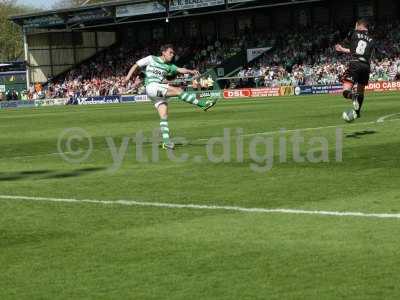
155, 69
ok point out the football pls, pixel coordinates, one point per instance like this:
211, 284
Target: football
349, 116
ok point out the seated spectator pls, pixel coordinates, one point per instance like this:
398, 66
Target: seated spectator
305, 56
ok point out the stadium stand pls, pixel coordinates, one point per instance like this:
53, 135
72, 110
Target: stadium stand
309, 58
303, 57
103, 75
301, 37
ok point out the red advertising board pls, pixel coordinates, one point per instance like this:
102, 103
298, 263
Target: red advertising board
246, 93
382, 86
379, 86
238, 93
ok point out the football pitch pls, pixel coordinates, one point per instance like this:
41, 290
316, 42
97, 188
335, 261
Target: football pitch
273, 198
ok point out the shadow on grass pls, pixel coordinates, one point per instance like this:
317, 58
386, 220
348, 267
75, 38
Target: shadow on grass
47, 174
359, 134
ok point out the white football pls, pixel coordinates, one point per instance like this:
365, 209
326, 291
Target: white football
349, 116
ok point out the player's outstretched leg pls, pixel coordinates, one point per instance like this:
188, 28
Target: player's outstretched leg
163, 112
209, 104
190, 98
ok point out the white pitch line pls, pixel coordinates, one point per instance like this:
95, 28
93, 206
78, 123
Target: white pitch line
293, 130
210, 207
301, 129
382, 119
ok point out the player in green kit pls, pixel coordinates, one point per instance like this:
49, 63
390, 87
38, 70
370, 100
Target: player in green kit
156, 69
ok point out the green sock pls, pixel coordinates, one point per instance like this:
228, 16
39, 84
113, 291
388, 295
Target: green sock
191, 98
164, 129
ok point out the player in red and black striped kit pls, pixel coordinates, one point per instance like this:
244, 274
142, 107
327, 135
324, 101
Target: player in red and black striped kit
361, 50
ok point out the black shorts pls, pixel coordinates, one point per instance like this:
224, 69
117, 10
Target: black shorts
358, 72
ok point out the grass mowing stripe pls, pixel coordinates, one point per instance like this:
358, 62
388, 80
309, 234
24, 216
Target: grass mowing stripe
380, 120
209, 207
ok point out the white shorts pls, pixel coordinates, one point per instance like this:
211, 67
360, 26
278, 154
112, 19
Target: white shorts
157, 92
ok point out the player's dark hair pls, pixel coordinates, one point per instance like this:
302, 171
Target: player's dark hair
165, 47
363, 22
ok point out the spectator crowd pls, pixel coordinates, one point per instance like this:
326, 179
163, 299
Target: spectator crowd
309, 58
301, 57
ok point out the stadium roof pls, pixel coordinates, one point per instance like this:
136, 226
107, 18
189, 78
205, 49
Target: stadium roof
76, 9
62, 14
131, 11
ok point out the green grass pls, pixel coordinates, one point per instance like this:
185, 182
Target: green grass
52, 250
